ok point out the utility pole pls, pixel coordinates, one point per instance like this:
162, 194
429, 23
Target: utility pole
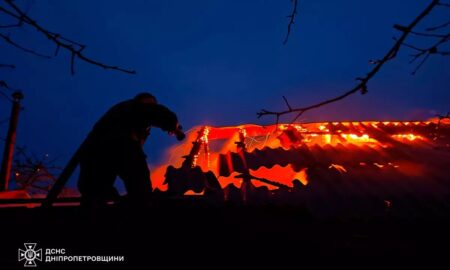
5, 171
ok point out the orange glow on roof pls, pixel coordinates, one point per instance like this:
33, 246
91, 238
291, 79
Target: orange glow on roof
369, 138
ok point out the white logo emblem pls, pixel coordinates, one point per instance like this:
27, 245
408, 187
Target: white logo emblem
30, 254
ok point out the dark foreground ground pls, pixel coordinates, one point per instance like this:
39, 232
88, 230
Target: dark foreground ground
179, 234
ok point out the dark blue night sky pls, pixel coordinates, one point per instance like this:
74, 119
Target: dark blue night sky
216, 63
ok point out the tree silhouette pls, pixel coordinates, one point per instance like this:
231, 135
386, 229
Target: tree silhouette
9, 9
421, 55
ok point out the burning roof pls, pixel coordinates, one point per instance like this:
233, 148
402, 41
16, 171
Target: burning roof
367, 157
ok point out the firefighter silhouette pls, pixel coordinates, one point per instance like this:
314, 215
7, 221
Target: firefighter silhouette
114, 148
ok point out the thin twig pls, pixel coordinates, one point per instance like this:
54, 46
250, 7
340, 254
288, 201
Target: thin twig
4, 85
291, 20
426, 53
7, 66
287, 103
4, 94
20, 47
420, 64
428, 35
431, 29
362, 85
411, 46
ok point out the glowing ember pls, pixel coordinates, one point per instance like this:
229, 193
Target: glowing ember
339, 168
379, 165
410, 137
387, 204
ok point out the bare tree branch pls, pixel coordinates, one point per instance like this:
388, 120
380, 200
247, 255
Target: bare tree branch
291, 20
444, 4
431, 29
426, 53
428, 34
20, 47
3, 84
287, 103
7, 66
75, 49
424, 59
3, 94
362, 85
411, 47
